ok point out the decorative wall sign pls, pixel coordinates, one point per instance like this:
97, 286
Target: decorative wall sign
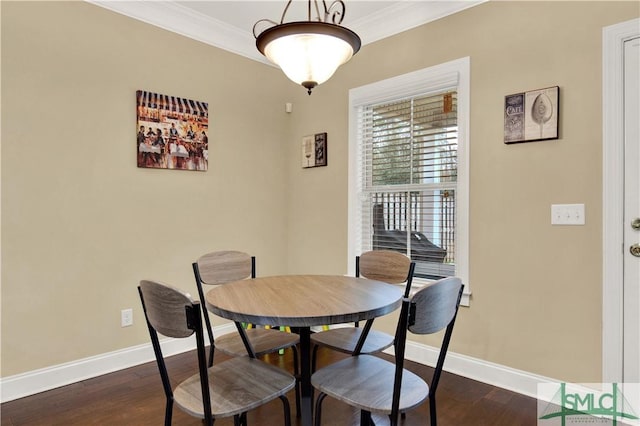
172, 132
314, 150
531, 116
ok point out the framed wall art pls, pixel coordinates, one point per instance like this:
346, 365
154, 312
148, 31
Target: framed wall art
314, 150
531, 116
172, 132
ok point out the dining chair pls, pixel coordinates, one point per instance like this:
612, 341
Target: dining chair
373, 384
380, 265
230, 388
222, 267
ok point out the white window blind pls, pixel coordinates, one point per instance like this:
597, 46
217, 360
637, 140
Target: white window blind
409, 177
409, 170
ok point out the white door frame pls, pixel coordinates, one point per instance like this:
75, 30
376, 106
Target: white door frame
613, 38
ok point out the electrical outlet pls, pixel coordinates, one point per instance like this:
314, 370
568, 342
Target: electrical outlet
126, 317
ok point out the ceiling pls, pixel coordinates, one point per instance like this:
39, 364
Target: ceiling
228, 24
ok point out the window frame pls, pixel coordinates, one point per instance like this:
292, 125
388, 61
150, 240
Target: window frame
432, 79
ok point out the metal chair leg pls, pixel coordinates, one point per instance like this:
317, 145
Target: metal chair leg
287, 410
314, 357
365, 418
432, 410
296, 373
211, 349
318, 413
168, 411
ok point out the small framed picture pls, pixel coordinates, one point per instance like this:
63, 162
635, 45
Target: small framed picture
314, 150
531, 116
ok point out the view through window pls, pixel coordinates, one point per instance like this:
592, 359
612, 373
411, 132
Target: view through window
409, 179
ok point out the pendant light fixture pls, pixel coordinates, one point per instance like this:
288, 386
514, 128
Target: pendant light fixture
310, 51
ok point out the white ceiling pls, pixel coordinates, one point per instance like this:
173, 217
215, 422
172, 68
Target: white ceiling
228, 24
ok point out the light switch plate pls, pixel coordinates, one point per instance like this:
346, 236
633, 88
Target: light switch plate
567, 214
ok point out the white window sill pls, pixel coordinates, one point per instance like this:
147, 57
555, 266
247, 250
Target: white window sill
419, 283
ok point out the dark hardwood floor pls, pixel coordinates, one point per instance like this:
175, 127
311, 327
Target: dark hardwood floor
134, 397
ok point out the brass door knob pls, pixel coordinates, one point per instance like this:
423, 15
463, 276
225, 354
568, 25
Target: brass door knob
635, 250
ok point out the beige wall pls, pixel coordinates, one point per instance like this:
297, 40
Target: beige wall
81, 224
536, 301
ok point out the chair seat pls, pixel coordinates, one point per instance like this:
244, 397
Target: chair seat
345, 340
263, 341
366, 382
236, 386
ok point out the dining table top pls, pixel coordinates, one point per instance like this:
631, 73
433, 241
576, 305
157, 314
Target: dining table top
303, 300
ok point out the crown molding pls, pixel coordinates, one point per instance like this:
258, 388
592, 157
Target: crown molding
404, 16
172, 16
175, 17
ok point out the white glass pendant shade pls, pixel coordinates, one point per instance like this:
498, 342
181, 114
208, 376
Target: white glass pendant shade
308, 57
308, 52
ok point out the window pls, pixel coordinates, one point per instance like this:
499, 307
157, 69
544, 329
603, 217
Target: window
408, 169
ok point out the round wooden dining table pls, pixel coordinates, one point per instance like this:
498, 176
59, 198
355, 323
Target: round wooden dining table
303, 301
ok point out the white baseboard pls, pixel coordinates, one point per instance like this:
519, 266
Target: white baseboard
36, 381
518, 381
32, 382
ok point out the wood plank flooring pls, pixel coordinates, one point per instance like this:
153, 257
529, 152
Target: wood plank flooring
134, 397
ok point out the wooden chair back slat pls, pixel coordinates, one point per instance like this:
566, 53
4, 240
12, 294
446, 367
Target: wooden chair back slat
166, 308
221, 267
434, 306
384, 265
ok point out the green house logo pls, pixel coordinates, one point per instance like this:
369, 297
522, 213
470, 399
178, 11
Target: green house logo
609, 404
